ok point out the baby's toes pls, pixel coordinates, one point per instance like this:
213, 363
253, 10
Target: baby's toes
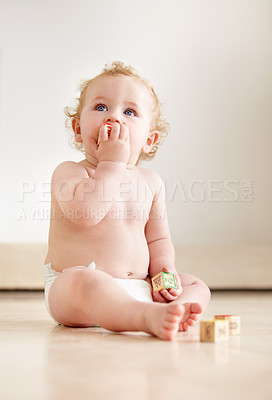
185, 326
196, 308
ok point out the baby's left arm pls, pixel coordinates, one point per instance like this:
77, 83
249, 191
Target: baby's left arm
161, 249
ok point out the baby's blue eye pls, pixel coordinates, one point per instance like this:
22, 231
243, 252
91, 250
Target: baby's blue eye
129, 112
101, 107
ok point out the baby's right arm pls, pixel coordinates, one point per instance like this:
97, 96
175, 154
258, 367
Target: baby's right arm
86, 200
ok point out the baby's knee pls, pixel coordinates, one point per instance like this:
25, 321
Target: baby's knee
82, 280
69, 293
78, 278
204, 287
206, 290
188, 280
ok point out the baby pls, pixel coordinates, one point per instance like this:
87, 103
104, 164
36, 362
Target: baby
109, 233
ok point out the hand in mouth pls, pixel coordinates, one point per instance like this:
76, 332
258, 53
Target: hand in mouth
109, 126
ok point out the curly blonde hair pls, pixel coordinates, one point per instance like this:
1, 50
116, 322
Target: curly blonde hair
119, 68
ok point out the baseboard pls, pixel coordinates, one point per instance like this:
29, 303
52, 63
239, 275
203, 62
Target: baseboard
21, 265
221, 267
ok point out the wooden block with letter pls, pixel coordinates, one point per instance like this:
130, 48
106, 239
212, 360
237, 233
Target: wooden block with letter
164, 280
214, 331
234, 322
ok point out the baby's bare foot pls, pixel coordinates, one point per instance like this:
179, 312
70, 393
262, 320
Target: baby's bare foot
190, 316
163, 320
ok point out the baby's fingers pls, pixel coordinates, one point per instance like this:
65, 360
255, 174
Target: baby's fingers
178, 291
103, 134
168, 296
115, 131
158, 297
175, 292
123, 132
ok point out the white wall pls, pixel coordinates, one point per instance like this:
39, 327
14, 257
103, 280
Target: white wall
211, 64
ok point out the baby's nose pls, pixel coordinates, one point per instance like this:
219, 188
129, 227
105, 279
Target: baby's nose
112, 119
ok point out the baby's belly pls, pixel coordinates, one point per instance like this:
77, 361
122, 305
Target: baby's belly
129, 260
122, 253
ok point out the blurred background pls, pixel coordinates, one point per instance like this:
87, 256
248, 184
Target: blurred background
210, 62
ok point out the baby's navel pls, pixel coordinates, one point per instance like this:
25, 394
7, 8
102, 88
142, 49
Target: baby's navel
129, 273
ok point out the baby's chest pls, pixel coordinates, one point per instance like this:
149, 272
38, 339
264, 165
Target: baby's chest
133, 202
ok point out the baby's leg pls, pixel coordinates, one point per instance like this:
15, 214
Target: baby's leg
195, 297
86, 297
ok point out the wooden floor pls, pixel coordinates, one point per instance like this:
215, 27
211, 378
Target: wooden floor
41, 360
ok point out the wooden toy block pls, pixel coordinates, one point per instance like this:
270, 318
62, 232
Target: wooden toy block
164, 280
109, 126
234, 323
214, 331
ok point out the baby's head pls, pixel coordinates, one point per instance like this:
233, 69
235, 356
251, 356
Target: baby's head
157, 119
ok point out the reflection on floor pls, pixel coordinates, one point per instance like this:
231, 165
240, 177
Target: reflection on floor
41, 360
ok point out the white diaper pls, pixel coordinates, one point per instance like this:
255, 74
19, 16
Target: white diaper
136, 288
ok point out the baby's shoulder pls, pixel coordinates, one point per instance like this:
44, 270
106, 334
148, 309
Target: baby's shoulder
149, 174
68, 169
153, 179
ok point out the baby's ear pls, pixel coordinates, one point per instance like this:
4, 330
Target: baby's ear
150, 141
77, 130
